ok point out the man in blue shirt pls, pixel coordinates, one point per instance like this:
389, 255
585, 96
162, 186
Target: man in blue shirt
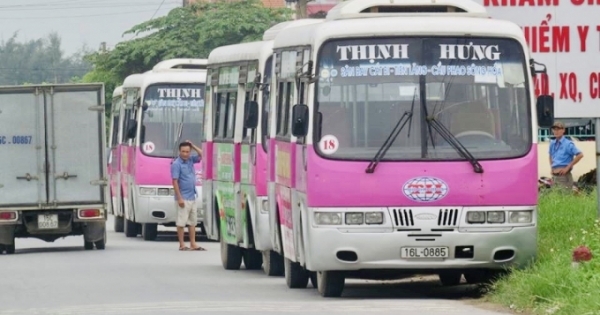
184, 184
563, 156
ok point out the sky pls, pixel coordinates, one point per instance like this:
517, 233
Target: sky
78, 22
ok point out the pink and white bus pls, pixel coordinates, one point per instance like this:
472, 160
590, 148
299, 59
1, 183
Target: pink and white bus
409, 147
112, 151
167, 110
123, 111
235, 186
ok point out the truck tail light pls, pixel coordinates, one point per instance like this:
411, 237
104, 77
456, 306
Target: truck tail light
8, 215
90, 213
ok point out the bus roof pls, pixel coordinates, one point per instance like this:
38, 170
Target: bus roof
133, 81
272, 32
241, 52
118, 91
354, 9
181, 63
173, 76
316, 34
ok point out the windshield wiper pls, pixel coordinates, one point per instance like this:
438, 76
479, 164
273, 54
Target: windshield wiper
455, 143
405, 118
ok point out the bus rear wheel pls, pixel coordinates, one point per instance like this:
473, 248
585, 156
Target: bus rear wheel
252, 259
296, 277
330, 283
272, 263
231, 256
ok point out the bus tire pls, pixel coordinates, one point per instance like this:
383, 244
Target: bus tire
330, 283
231, 256
119, 224
296, 277
149, 231
273, 264
131, 229
313, 279
252, 259
450, 278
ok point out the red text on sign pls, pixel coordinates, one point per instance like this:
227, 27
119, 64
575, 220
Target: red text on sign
586, 2
595, 85
568, 87
545, 38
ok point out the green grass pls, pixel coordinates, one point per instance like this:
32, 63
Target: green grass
551, 286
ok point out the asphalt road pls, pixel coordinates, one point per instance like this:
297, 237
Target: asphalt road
134, 277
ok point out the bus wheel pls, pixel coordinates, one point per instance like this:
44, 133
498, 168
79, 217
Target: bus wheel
119, 224
130, 228
272, 263
313, 279
149, 231
450, 278
330, 283
296, 277
231, 256
252, 259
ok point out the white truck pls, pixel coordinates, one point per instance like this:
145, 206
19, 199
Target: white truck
52, 163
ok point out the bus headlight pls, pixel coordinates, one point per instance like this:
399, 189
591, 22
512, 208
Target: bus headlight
495, 217
374, 217
328, 218
520, 216
354, 218
476, 217
147, 191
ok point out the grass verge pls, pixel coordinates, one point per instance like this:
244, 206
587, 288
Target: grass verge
552, 286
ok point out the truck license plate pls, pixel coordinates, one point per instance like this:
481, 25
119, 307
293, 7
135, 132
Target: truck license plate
424, 252
47, 221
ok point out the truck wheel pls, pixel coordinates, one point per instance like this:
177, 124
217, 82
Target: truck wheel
149, 231
252, 259
272, 263
88, 245
101, 244
296, 277
330, 283
450, 278
231, 256
131, 229
119, 224
10, 249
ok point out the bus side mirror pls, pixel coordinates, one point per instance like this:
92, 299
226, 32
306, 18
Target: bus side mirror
300, 120
132, 129
545, 111
250, 114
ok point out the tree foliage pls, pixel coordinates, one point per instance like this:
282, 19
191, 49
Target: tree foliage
39, 61
186, 32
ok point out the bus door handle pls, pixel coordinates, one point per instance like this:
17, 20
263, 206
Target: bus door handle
64, 176
28, 177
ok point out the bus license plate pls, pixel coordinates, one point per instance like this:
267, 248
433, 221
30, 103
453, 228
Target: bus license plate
47, 221
424, 252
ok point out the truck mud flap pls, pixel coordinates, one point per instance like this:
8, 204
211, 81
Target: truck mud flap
94, 231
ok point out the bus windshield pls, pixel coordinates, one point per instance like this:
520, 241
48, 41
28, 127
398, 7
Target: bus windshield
174, 114
476, 88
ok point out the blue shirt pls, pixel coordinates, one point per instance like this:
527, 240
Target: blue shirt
184, 173
562, 152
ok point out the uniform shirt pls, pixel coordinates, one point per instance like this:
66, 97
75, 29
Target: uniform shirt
562, 152
184, 173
